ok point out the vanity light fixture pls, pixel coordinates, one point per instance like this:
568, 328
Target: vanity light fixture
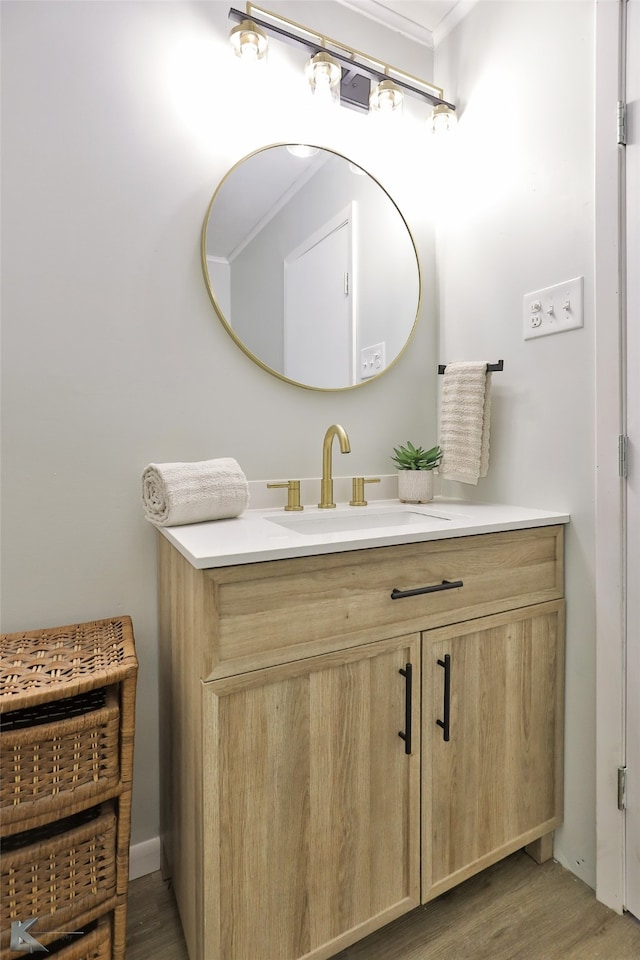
335, 69
248, 41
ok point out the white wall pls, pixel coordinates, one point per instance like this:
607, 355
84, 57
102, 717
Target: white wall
118, 121
518, 211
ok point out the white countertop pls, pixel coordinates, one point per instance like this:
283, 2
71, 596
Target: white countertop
254, 536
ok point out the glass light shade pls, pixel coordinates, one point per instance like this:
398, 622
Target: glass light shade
386, 97
444, 118
324, 75
248, 41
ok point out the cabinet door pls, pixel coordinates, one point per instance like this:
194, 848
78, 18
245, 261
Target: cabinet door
311, 803
492, 739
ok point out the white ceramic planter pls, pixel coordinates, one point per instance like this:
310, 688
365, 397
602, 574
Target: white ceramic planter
415, 486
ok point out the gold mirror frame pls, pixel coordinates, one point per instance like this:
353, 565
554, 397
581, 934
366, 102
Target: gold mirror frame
227, 324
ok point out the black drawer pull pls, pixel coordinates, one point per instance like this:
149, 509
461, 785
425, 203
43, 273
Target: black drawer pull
435, 588
405, 734
446, 664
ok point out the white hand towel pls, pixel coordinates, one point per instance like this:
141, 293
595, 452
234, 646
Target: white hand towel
465, 412
178, 493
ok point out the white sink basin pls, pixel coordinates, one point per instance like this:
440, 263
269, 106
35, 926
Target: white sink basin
359, 518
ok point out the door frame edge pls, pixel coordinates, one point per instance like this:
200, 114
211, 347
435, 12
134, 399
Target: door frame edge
610, 572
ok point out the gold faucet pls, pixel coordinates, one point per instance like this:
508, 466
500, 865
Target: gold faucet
326, 490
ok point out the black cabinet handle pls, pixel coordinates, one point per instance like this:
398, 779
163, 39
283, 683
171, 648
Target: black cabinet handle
435, 588
405, 734
446, 665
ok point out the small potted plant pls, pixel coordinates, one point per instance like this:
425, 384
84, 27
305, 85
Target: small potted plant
415, 477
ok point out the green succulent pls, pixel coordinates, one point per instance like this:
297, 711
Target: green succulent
416, 458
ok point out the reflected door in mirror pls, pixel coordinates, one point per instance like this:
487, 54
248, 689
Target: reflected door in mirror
318, 320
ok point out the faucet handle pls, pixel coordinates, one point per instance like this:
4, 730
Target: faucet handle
293, 496
357, 490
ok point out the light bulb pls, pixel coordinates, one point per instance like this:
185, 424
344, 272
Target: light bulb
248, 48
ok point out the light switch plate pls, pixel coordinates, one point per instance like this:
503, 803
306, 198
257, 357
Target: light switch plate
554, 309
371, 361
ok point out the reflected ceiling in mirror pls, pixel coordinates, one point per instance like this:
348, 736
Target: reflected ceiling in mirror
311, 267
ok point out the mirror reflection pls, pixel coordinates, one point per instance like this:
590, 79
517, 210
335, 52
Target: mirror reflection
311, 266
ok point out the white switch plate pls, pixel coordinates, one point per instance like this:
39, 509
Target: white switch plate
553, 310
371, 361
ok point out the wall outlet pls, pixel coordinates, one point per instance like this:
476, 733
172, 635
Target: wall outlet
372, 361
553, 310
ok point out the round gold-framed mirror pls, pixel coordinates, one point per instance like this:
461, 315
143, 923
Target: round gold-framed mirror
311, 267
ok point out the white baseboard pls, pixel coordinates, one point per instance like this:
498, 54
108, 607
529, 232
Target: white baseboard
144, 858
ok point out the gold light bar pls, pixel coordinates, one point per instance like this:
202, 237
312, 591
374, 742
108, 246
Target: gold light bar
352, 60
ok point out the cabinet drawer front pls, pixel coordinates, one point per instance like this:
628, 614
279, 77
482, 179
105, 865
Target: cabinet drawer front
282, 610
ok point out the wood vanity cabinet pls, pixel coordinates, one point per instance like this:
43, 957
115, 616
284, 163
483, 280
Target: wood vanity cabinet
309, 793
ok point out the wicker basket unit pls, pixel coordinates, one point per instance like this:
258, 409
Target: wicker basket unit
67, 716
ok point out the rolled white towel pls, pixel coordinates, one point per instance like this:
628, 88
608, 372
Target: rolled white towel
178, 493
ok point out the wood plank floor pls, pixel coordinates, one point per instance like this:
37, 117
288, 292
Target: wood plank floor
515, 910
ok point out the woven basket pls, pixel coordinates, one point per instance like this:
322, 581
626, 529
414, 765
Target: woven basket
44, 665
60, 875
93, 946
62, 766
